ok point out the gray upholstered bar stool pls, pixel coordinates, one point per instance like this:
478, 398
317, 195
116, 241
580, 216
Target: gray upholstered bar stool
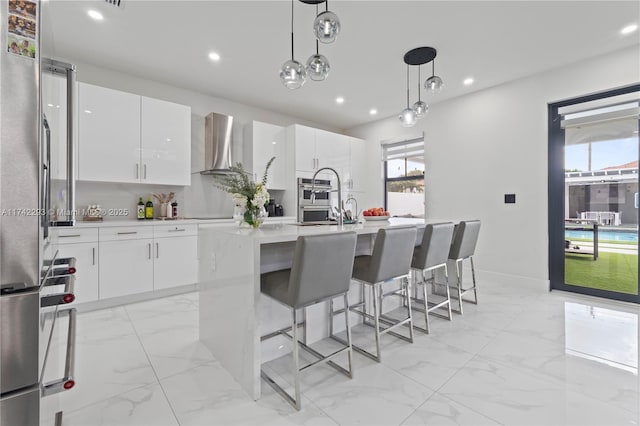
430, 256
321, 270
463, 246
390, 260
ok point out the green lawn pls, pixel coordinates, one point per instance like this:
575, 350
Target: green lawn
612, 271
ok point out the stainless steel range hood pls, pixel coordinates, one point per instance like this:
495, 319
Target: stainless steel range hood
217, 144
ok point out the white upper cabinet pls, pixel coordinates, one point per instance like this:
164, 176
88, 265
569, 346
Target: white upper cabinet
54, 101
332, 150
357, 171
304, 141
108, 135
124, 137
317, 148
266, 141
166, 142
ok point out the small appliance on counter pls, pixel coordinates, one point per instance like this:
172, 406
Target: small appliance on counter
274, 209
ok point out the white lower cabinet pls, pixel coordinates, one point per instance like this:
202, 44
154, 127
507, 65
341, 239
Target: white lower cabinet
126, 267
83, 245
175, 262
120, 261
86, 283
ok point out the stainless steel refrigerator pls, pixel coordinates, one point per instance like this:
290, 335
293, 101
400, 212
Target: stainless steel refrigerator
34, 284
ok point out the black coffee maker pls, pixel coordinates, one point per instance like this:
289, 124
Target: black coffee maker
274, 209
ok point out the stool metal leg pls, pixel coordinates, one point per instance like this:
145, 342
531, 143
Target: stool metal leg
296, 361
446, 284
346, 320
473, 278
376, 319
459, 282
410, 322
426, 304
331, 317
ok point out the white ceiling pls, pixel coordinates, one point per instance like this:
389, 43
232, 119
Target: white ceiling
493, 42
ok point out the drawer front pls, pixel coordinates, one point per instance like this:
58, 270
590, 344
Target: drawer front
73, 235
125, 233
174, 231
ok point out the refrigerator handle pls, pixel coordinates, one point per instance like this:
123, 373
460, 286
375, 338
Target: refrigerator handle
71, 175
67, 382
46, 180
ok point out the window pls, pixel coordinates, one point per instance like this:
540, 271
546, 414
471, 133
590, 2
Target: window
404, 177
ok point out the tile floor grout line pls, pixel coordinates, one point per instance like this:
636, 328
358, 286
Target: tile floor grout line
166, 397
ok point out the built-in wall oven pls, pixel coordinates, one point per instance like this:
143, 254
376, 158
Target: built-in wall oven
317, 210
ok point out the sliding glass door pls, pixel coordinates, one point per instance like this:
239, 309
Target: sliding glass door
593, 194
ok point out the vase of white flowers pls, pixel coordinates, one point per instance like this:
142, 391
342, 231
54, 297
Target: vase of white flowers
249, 197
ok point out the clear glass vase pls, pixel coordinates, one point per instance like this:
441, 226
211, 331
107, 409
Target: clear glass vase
255, 216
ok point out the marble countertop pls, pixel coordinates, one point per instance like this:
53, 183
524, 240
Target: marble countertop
277, 233
185, 221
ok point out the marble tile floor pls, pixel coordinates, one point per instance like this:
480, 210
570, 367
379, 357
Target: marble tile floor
522, 356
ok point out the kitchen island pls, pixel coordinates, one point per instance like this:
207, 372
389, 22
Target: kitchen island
233, 313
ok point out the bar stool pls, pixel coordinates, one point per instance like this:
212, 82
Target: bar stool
430, 256
321, 270
389, 261
463, 246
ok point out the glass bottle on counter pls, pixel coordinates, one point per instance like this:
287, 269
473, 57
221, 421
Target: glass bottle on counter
141, 209
148, 210
174, 209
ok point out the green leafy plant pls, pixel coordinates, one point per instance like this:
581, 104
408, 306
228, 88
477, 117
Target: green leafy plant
244, 192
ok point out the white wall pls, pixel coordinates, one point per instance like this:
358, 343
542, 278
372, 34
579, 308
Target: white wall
480, 146
201, 198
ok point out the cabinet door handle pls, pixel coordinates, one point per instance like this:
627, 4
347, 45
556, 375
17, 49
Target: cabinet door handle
137, 170
157, 250
93, 255
149, 247
126, 233
69, 236
145, 171
177, 230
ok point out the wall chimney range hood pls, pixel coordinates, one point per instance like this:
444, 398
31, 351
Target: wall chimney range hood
217, 144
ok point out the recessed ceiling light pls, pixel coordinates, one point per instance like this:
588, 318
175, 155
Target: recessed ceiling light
87, 111
373, 111
214, 56
94, 14
629, 29
467, 81
274, 142
340, 100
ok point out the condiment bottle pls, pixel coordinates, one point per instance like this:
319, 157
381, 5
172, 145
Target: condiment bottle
174, 208
141, 213
148, 210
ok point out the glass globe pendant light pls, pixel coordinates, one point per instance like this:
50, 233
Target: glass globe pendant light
408, 116
326, 26
318, 65
293, 74
434, 83
420, 107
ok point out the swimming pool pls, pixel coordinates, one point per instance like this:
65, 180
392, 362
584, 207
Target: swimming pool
622, 236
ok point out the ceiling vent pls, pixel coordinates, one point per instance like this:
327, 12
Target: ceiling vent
116, 3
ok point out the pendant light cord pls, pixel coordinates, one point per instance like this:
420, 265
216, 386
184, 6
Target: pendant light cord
317, 48
419, 66
407, 86
292, 30
433, 67
326, 3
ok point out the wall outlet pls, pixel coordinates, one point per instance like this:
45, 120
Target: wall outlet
509, 198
